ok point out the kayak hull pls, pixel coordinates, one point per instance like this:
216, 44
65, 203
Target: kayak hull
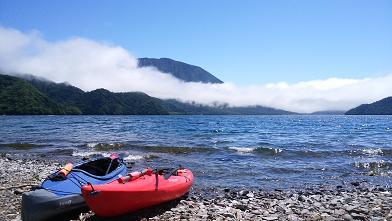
116, 198
44, 205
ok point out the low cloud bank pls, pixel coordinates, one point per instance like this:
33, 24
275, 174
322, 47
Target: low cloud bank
90, 65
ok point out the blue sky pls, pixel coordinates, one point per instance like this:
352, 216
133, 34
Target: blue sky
245, 42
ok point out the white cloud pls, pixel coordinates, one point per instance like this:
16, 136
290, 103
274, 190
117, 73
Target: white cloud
90, 65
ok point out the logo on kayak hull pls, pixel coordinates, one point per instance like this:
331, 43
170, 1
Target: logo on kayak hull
66, 203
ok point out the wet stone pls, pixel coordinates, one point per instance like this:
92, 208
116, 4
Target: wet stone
357, 216
302, 198
355, 183
270, 218
347, 217
228, 215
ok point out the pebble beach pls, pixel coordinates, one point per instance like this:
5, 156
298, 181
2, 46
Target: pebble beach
355, 202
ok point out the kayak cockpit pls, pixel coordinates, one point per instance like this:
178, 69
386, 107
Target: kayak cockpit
99, 167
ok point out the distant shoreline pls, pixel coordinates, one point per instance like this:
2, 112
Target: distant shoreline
27, 95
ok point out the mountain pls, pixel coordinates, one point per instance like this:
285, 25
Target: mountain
99, 101
381, 107
331, 112
180, 70
19, 97
102, 101
30, 95
176, 107
256, 110
61, 93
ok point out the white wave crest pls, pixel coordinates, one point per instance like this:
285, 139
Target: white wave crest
377, 151
243, 149
91, 145
133, 157
90, 153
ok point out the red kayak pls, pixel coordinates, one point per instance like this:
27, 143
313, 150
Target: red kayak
137, 191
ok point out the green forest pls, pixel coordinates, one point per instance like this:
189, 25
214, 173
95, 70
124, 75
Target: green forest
27, 95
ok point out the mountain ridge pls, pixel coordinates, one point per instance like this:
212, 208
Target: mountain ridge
19, 97
180, 70
380, 107
61, 98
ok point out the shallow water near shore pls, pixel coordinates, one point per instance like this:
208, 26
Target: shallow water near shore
223, 151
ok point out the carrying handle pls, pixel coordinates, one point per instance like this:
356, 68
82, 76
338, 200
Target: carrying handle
93, 191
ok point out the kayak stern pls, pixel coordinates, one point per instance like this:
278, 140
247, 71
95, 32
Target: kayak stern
42, 204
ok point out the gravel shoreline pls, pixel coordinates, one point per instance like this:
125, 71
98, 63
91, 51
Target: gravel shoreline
337, 203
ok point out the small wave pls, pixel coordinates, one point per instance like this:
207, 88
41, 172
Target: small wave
285, 170
60, 152
28, 126
21, 146
377, 151
126, 157
269, 150
273, 151
371, 152
175, 150
91, 145
105, 146
263, 150
243, 149
133, 157
376, 168
363, 152
373, 165
90, 153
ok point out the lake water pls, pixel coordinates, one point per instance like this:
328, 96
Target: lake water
222, 151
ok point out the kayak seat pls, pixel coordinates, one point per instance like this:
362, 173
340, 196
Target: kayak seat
98, 167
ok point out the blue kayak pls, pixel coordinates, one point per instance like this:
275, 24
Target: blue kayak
60, 194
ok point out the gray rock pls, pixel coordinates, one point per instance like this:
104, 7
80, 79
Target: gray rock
355, 183
18, 191
243, 192
241, 207
228, 215
357, 216
292, 217
350, 208
280, 209
347, 217
305, 211
302, 198
377, 219
256, 212
250, 195
184, 216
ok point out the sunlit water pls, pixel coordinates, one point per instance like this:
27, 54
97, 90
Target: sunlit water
229, 151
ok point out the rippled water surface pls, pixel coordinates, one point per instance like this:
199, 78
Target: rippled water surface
254, 151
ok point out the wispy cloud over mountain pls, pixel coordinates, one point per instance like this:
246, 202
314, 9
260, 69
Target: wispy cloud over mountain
89, 64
